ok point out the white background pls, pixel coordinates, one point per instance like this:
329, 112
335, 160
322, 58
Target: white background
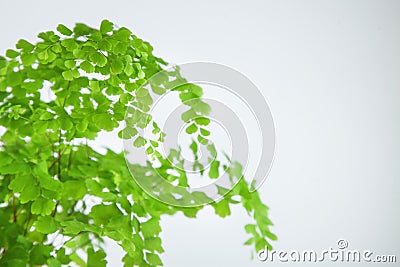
330, 72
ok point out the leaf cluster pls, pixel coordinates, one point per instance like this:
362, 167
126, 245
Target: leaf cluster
58, 196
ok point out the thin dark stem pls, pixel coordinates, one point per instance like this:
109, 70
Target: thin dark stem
71, 211
55, 209
56, 160
70, 159
81, 246
3, 251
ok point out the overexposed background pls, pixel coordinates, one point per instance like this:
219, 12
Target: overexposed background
330, 72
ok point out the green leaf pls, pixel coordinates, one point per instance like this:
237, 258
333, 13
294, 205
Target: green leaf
25, 45
186, 97
139, 142
11, 53
3, 64
39, 254
46, 116
222, 208
153, 244
117, 66
188, 115
64, 30
77, 259
46, 56
249, 241
202, 121
81, 29
101, 214
28, 59
75, 189
153, 259
194, 147
128, 260
82, 125
87, 66
191, 129
66, 123
120, 48
95, 36
127, 133
69, 44
53, 263
151, 228
14, 78
251, 229
73, 227
141, 74
105, 45
96, 258
214, 169
46, 225
204, 132
69, 75
98, 58
56, 48
43, 206
261, 243
104, 121
62, 257
94, 85
70, 64
106, 26
44, 178
202, 140
200, 107
40, 126
26, 185
5, 159
122, 34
